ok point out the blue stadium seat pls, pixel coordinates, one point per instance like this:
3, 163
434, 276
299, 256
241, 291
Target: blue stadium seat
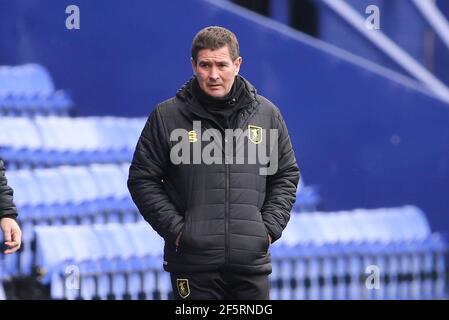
54, 253
82, 192
145, 242
28, 90
55, 197
117, 263
113, 187
88, 254
19, 139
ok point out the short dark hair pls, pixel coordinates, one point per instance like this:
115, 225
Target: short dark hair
213, 38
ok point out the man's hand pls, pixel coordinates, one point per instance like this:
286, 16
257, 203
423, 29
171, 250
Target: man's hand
178, 238
12, 235
269, 239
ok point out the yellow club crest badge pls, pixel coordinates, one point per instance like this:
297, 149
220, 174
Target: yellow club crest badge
255, 134
183, 287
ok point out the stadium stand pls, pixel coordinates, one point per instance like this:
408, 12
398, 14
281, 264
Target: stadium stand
84, 239
321, 256
51, 141
325, 255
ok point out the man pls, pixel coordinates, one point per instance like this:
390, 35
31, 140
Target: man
12, 235
217, 209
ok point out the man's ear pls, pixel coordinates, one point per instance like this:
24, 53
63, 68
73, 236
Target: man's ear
193, 62
237, 64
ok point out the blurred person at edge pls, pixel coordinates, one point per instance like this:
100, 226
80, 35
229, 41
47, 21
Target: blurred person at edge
12, 235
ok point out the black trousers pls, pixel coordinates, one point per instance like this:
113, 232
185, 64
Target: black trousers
219, 285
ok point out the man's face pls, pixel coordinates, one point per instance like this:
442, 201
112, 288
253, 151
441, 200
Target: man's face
216, 71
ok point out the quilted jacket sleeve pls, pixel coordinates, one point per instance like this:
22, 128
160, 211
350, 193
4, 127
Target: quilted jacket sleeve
145, 180
281, 186
7, 207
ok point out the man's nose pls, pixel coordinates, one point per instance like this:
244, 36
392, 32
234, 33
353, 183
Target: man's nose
213, 75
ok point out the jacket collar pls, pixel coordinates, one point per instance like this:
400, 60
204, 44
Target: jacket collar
185, 94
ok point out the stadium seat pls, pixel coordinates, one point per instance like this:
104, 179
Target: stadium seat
28, 90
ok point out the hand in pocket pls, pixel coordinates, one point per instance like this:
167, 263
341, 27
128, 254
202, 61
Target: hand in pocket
178, 238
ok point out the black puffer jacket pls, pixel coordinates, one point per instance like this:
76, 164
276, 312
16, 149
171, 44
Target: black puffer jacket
7, 207
224, 211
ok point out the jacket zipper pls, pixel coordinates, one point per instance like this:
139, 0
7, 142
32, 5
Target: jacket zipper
227, 191
227, 218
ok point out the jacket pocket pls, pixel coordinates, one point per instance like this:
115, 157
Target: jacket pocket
266, 233
185, 232
267, 239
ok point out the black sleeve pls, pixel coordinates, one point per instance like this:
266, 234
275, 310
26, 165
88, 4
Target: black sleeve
7, 207
281, 186
145, 180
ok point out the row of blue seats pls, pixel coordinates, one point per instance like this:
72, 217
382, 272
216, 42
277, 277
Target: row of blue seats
67, 195
28, 90
51, 141
102, 261
70, 194
360, 254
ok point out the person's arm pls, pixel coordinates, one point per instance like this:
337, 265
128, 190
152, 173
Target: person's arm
281, 186
7, 207
146, 173
12, 235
